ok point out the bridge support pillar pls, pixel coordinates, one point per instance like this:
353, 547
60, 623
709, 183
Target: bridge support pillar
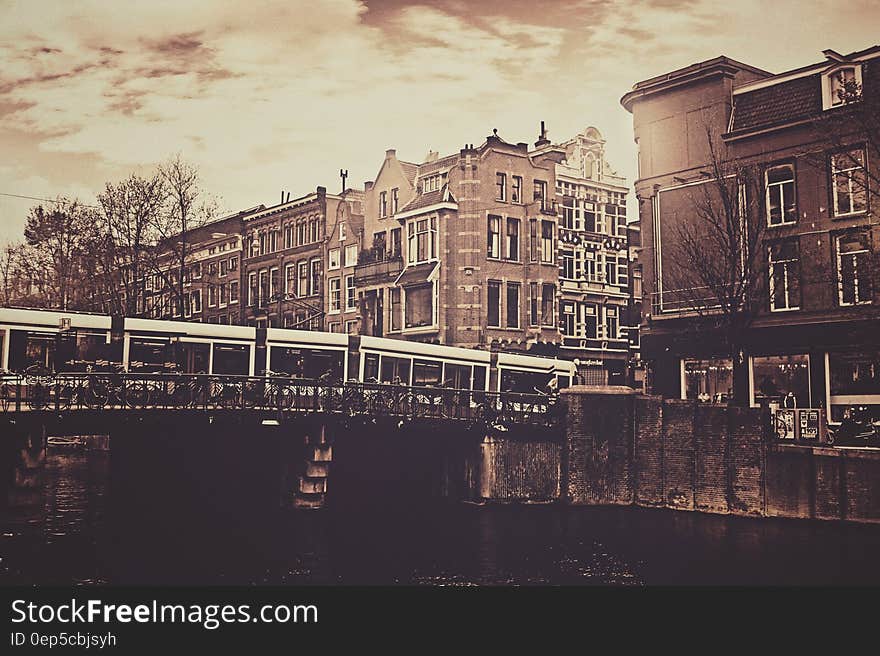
311, 491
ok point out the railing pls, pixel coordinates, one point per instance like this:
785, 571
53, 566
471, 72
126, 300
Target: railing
61, 393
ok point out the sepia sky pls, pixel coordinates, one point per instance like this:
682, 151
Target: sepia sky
265, 96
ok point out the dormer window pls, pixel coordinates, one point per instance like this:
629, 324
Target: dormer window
841, 86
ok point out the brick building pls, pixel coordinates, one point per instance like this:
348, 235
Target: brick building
817, 334
470, 250
294, 262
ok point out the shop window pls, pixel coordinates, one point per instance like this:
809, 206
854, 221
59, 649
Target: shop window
783, 380
419, 306
709, 381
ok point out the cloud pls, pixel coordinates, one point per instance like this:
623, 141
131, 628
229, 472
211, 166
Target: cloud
284, 94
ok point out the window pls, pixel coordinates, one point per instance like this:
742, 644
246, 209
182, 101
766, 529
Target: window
612, 325
290, 280
212, 296
568, 322
500, 186
547, 242
841, 87
263, 288
233, 264
395, 200
431, 183
395, 308
197, 301
516, 190
351, 327
533, 240
780, 196
493, 301
262, 242
590, 217
350, 293
288, 235
784, 284
533, 304
342, 231
568, 212
351, 255
273, 241
223, 294
395, 243
303, 282
335, 295
590, 321
196, 270
419, 306
233, 292
854, 283
383, 203
567, 269
513, 239
548, 303
541, 194
610, 270
274, 284
317, 274
333, 259
212, 269
493, 245
224, 268
848, 182
300, 230
334, 326
512, 305
422, 240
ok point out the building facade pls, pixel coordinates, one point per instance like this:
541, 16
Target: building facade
815, 340
501, 247
294, 262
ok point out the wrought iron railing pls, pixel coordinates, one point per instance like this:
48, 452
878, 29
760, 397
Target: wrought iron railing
64, 392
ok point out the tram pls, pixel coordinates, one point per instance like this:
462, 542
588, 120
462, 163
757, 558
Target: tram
60, 342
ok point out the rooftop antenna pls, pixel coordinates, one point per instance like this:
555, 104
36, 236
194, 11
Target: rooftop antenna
343, 175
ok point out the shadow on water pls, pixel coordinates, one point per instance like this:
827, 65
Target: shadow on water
186, 504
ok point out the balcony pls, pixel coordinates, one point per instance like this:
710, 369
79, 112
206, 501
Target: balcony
377, 267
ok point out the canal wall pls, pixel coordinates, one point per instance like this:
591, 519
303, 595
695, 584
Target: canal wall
623, 448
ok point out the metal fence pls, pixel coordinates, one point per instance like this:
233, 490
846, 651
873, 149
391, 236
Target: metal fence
126, 391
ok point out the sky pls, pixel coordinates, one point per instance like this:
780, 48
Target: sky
266, 96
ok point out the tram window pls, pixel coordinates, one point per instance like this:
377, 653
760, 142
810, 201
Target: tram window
371, 367
395, 370
457, 376
79, 350
27, 348
148, 355
231, 359
307, 363
427, 373
526, 382
479, 378
193, 358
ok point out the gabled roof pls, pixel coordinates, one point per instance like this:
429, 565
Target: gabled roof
410, 170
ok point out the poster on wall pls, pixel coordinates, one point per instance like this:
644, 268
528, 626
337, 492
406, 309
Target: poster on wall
785, 423
809, 424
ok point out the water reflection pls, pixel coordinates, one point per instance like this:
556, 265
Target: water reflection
76, 528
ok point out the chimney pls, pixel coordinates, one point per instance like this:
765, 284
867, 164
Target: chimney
390, 153
542, 139
368, 185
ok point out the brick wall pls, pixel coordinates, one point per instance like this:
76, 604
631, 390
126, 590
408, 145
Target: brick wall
621, 448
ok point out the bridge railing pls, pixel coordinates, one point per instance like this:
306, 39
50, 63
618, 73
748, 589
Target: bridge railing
130, 391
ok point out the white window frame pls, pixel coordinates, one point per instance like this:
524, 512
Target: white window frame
779, 187
840, 257
333, 259
848, 172
350, 293
350, 261
829, 97
786, 264
493, 250
335, 290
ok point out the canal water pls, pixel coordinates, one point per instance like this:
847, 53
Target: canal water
82, 526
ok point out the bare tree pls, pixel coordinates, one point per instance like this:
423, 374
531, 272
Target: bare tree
11, 279
720, 272
186, 208
128, 238
54, 235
